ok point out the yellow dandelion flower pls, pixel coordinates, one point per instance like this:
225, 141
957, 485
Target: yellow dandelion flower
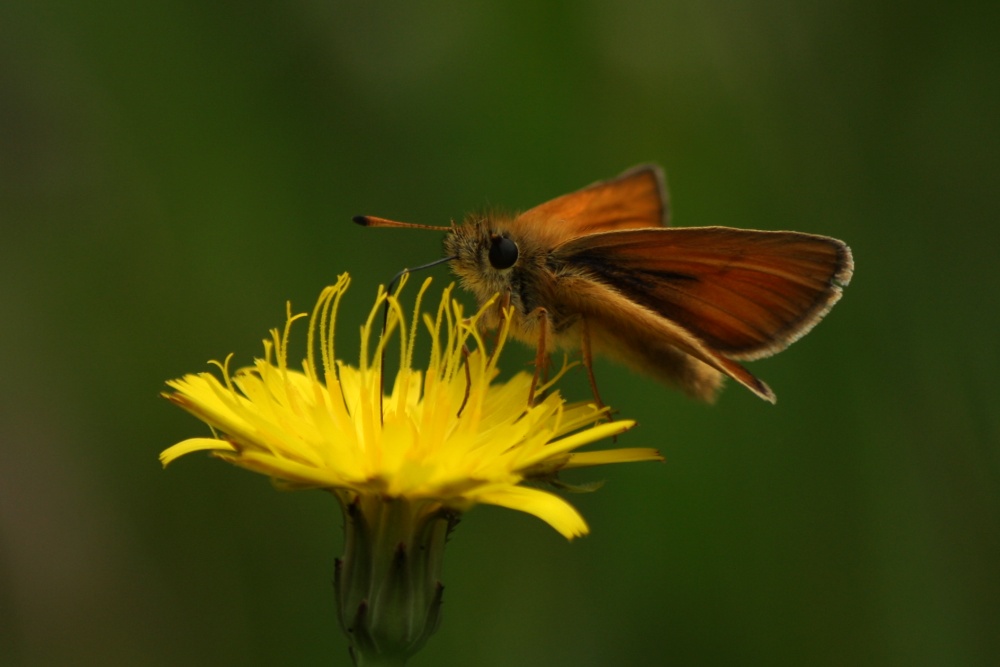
448, 436
403, 464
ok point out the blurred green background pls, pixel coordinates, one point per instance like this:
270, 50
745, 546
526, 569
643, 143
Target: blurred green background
172, 171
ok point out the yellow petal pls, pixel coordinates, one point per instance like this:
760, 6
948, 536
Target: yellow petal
297, 473
548, 507
571, 442
625, 455
170, 454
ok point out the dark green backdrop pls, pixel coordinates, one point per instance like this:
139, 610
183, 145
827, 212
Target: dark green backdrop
171, 171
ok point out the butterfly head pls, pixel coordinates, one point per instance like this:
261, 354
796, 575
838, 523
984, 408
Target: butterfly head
487, 259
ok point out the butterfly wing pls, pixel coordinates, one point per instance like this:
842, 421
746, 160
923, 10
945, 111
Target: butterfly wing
745, 294
636, 199
654, 345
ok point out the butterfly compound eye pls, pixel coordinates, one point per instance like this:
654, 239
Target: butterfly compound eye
503, 252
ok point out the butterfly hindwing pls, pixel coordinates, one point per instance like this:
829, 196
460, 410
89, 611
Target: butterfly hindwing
745, 293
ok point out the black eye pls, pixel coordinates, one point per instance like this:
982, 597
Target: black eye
503, 252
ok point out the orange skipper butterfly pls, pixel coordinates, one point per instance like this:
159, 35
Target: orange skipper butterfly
600, 269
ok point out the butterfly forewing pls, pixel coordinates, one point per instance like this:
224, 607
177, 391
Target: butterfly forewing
634, 200
746, 294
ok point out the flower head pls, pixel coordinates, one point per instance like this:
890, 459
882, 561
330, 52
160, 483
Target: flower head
444, 439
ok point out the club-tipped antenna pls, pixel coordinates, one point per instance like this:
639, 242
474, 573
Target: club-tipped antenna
373, 221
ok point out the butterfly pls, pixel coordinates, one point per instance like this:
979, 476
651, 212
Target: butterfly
601, 270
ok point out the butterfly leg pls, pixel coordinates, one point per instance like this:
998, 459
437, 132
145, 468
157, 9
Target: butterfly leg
588, 363
541, 353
